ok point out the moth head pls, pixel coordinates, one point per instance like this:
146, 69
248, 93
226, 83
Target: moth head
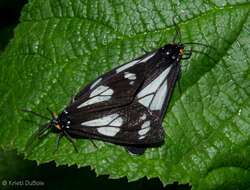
172, 51
55, 125
60, 122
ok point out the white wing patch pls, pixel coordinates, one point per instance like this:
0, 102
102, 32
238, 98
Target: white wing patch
132, 63
143, 117
108, 125
145, 96
159, 98
100, 94
146, 100
99, 90
144, 131
108, 92
153, 86
145, 128
95, 83
145, 124
142, 137
117, 122
108, 131
126, 66
130, 76
94, 100
101, 121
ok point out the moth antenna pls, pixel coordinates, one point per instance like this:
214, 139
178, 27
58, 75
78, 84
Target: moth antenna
35, 113
31, 121
197, 51
59, 137
91, 140
200, 44
177, 30
38, 133
51, 113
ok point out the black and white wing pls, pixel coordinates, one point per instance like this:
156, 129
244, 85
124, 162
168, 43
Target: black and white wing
156, 91
115, 88
129, 126
126, 106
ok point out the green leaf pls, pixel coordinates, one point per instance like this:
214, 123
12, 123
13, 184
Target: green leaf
60, 46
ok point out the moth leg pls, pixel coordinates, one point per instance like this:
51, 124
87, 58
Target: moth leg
34, 113
178, 81
91, 140
135, 150
59, 137
71, 140
42, 131
189, 54
39, 134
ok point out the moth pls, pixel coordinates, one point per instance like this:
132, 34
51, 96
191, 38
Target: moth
126, 105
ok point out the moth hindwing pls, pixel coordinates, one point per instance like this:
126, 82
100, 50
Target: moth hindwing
125, 106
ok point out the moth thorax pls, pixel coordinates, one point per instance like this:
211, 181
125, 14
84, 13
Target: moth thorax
181, 52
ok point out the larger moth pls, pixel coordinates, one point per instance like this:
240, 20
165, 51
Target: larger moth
125, 106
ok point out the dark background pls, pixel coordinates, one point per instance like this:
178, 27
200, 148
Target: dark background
14, 168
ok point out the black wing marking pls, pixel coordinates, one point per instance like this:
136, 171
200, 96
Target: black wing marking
114, 89
110, 74
130, 125
137, 123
